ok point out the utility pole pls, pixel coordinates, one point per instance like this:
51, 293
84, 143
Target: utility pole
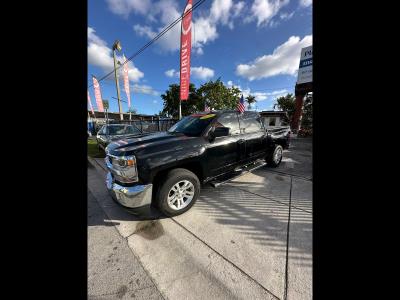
117, 46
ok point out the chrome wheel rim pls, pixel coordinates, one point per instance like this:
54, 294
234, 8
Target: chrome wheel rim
180, 195
278, 155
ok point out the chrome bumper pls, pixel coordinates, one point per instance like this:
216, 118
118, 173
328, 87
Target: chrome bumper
132, 196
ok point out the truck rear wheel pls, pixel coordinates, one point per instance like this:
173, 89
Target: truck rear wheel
275, 158
178, 193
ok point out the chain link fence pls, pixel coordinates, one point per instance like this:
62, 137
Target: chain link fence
144, 126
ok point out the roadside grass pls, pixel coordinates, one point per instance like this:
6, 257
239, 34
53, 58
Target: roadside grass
93, 151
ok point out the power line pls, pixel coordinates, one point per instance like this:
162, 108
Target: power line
139, 88
164, 31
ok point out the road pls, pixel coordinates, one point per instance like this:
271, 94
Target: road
235, 242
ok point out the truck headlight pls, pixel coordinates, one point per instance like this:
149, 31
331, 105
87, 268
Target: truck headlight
124, 168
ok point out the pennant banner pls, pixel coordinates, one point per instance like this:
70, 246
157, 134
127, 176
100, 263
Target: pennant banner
126, 82
186, 46
90, 103
97, 95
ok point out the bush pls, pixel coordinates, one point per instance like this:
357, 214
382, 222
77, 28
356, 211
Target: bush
305, 132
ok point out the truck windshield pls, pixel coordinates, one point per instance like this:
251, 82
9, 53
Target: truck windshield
192, 125
122, 129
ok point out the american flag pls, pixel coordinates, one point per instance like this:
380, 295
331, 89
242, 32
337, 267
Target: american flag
206, 108
240, 106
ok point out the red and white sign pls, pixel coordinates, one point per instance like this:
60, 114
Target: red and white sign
90, 103
126, 82
186, 46
97, 95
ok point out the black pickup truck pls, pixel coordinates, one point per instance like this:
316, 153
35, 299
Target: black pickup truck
166, 169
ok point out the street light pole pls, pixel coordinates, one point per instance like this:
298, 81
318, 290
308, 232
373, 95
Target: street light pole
117, 46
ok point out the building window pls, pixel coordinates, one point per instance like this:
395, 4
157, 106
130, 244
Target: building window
272, 121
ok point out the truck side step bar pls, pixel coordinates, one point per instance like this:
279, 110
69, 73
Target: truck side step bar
237, 173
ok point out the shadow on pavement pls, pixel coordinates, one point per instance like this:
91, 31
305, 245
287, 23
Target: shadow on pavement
261, 219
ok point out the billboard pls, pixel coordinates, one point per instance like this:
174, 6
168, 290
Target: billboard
305, 67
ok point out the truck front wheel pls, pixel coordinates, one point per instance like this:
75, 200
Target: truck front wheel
275, 158
178, 193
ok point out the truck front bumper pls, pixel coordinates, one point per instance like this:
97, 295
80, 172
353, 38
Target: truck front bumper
135, 198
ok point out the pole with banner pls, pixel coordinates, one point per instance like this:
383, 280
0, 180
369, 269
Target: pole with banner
105, 105
186, 46
97, 94
90, 105
126, 85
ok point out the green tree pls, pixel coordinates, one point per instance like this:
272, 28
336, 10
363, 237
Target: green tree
287, 104
132, 110
171, 100
306, 121
215, 93
250, 100
218, 96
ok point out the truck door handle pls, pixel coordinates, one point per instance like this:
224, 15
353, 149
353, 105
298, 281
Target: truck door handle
241, 141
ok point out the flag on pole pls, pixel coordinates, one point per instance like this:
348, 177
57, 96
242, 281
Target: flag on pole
186, 46
90, 102
126, 82
97, 95
240, 106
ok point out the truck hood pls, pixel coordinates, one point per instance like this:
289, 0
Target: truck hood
148, 143
112, 138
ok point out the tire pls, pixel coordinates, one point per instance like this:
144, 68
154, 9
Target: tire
189, 185
275, 158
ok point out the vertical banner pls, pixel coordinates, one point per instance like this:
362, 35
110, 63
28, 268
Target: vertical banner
97, 95
186, 46
90, 103
126, 82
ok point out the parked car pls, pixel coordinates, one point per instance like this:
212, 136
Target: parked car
146, 126
114, 132
166, 169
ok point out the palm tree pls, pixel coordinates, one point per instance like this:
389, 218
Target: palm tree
250, 100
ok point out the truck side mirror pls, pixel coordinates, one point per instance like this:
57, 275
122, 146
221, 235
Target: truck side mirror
217, 132
221, 131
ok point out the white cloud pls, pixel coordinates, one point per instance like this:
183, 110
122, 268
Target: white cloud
100, 55
305, 3
237, 8
155, 101
171, 73
260, 96
125, 7
202, 72
144, 89
204, 31
286, 16
284, 60
220, 11
144, 31
265, 10
165, 12
199, 51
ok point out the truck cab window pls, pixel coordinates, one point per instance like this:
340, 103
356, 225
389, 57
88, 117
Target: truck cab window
249, 123
229, 120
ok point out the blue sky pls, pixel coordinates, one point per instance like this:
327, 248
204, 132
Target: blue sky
254, 45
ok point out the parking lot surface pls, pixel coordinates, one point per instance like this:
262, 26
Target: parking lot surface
236, 242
